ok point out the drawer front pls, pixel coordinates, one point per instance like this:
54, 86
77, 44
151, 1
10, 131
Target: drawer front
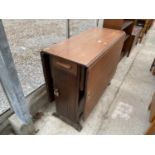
65, 65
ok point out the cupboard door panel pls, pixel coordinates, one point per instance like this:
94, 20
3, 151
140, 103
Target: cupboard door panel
66, 89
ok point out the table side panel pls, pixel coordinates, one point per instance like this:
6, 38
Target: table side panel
99, 76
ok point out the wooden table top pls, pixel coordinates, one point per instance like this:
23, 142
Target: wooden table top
86, 47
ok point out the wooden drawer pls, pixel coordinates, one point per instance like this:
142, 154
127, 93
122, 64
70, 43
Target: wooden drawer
65, 65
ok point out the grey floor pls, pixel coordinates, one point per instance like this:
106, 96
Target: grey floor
123, 107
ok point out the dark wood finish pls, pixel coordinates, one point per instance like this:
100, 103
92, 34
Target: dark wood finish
97, 81
152, 69
136, 34
119, 24
152, 109
145, 24
113, 23
85, 50
151, 129
66, 85
48, 77
127, 26
81, 68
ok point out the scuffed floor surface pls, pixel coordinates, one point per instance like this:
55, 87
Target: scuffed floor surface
123, 108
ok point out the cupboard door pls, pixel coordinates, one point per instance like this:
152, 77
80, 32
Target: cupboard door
66, 87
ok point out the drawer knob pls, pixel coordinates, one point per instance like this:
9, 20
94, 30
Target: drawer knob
56, 92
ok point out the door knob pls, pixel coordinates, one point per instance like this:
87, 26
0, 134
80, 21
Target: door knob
56, 92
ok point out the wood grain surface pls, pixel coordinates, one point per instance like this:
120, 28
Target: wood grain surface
86, 47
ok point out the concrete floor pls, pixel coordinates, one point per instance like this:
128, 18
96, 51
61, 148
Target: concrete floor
123, 107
